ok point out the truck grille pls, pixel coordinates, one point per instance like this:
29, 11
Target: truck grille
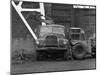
51, 41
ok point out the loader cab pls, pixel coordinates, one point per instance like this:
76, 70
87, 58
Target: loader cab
78, 43
77, 34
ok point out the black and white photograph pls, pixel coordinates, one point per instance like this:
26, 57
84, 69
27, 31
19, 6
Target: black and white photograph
52, 37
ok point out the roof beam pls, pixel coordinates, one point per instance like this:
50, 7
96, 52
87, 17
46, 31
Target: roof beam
18, 9
25, 9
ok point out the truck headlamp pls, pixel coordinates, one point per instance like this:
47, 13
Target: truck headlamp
65, 41
37, 42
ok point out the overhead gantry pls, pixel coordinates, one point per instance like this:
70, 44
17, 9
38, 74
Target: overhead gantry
19, 9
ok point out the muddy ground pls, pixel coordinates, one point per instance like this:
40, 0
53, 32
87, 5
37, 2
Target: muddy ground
51, 66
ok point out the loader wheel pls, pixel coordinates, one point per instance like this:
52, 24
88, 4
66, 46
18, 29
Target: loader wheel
79, 51
94, 52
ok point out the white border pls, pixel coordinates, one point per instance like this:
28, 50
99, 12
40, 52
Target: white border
83, 2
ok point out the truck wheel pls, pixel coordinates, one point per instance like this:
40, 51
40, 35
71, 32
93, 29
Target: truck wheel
79, 51
66, 55
37, 56
41, 56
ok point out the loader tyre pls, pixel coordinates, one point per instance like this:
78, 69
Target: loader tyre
79, 51
94, 52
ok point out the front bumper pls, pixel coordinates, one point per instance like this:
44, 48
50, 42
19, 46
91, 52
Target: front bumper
51, 48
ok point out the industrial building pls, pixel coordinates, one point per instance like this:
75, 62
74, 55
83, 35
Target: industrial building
65, 14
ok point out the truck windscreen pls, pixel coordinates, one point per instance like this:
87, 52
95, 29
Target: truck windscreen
51, 29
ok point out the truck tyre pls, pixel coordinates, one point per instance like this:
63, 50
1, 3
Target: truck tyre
41, 56
37, 56
66, 55
79, 51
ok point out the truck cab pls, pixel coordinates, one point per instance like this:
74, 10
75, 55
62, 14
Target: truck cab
51, 41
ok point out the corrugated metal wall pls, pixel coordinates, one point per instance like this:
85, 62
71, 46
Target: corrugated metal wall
86, 19
63, 14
